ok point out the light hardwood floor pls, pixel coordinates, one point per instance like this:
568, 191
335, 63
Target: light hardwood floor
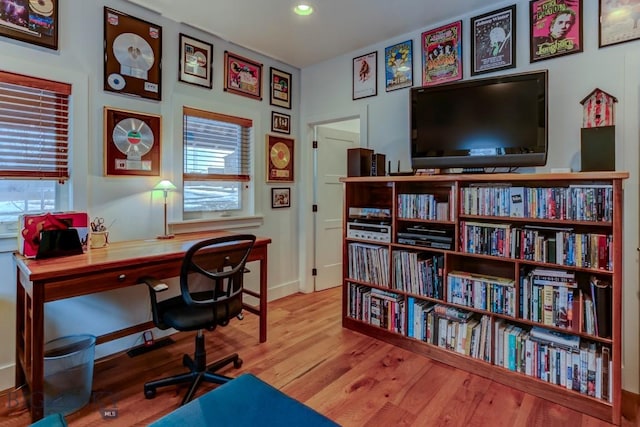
353, 379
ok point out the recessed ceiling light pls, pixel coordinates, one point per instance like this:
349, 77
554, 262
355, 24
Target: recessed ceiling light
303, 9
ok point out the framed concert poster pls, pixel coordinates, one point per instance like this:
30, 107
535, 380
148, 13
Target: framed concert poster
242, 76
280, 88
493, 41
398, 66
279, 159
131, 143
442, 54
195, 65
34, 22
556, 30
618, 22
280, 122
365, 75
132, 55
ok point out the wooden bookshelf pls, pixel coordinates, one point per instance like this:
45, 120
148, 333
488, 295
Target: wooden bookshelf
569, 224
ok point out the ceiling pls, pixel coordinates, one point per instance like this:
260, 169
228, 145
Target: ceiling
335, 28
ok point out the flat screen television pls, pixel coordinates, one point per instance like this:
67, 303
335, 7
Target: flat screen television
491, 122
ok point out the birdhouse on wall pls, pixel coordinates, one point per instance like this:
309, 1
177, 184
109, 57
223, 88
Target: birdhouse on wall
597, 109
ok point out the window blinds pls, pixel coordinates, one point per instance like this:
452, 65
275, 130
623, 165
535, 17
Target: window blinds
216, 146
34, 127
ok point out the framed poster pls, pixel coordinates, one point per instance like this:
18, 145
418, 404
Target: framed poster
34, 22
279, 159
280, 198
280, 122
398, 66
132, 55
242, 76
493, 41
556, 28
618, 22
196, 61
131, 143
442, 54
280, 84
365, 75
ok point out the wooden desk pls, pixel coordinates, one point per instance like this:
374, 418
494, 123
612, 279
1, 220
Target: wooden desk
117, 266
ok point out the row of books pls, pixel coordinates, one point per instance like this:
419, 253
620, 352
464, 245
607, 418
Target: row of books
377, 307
490, 293
423, 206
557, 299
543, 244
418, 273
369, 263
450, 328
554, 357
576, 202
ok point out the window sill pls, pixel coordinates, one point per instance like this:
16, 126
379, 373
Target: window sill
223, 223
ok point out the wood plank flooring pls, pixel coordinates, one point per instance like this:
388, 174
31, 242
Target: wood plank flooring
353, 379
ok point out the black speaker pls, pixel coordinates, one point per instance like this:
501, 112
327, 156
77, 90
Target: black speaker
359, 161
598, 149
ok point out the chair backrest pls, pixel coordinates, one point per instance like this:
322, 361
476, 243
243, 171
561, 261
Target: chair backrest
217, 266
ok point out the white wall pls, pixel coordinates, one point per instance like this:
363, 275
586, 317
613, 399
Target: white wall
128, 201
615, 69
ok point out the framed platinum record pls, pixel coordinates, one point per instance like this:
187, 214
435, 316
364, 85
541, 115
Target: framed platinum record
132, 55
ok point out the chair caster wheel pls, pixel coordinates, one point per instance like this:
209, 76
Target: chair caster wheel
240, 316
237, 363
149, 393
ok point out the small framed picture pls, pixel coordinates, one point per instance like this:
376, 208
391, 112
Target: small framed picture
280, 198
132, 55
131, 143
196, 65
555, 31
398, 66
280, 122
280, 88
618, 22
365, 75
493, 41
242, 76
442, 54
34, 22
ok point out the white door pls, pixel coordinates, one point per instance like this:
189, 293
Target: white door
332, 165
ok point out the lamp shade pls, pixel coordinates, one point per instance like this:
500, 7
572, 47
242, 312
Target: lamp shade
165, 185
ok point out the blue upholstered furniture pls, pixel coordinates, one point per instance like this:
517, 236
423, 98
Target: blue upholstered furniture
244, 401
53, 420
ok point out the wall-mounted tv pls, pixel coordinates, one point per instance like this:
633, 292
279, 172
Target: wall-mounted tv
491, 122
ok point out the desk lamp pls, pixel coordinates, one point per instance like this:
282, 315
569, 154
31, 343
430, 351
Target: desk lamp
165, 185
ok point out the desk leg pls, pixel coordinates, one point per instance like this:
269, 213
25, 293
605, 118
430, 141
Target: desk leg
30, 344
37, 353
263, 296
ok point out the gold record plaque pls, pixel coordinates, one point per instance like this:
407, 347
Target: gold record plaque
132, 55
132, 143
279, 159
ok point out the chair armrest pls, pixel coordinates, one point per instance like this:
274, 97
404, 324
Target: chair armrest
154, 285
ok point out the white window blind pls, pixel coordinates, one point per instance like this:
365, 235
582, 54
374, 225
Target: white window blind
216, 146
217, 160
34, 128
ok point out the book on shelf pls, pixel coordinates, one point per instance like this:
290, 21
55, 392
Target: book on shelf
601, 297
555, 337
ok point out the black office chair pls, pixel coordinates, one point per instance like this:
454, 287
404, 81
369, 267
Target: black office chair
217, 266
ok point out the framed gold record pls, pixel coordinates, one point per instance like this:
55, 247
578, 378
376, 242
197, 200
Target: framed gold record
131, 143
132, 55
31, 21
280, 157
